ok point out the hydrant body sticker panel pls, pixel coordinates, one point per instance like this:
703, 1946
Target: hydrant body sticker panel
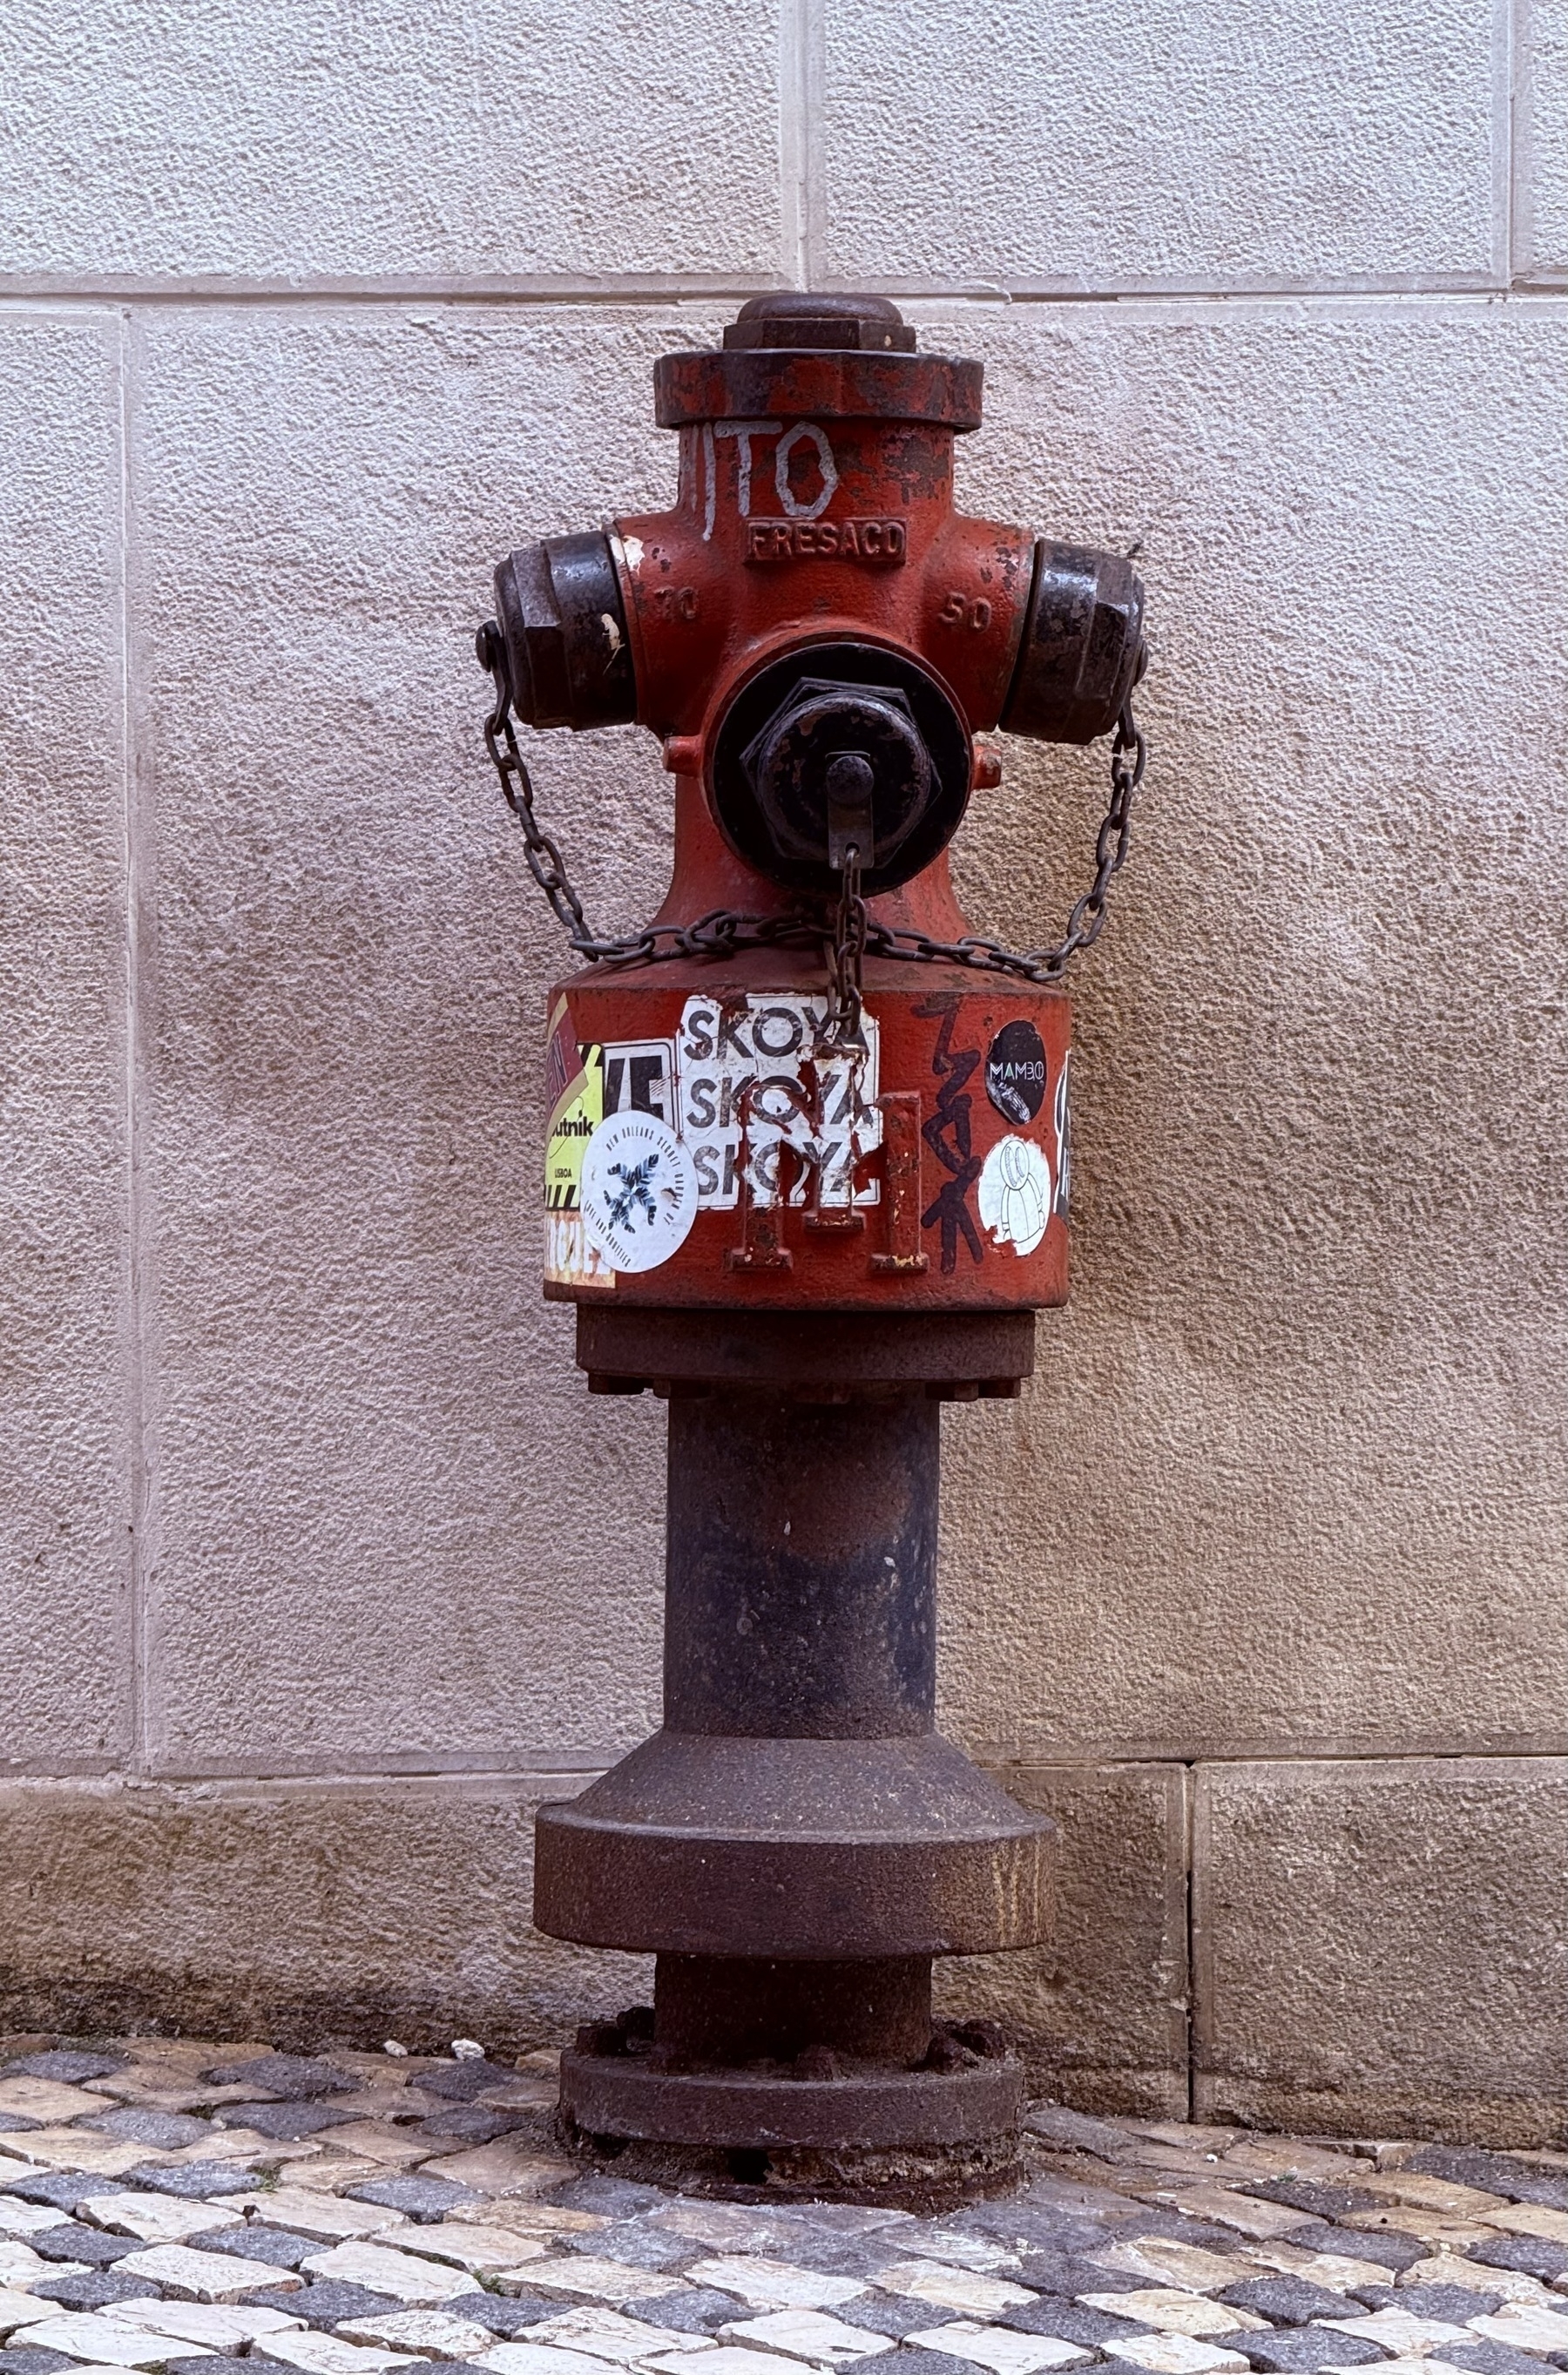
747, 1068
1015, 1194
638, 1190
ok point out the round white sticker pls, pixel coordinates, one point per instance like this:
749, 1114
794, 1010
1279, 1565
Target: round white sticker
1015, 1194
638, 1190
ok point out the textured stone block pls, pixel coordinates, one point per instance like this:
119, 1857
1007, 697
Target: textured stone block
65, 1485
386, 1499
1137, 145
1374, 1952
1100, 2013
306, 1913
482, 144
1291, 1473
1541, 134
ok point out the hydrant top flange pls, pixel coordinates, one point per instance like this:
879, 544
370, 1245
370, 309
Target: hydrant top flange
841, 358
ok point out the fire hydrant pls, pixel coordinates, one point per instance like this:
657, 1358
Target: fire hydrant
806, 1179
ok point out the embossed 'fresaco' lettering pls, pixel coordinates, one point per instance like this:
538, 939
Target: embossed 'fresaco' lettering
883, 542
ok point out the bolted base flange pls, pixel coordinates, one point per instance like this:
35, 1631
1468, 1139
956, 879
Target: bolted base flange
745, 2109
923, 2177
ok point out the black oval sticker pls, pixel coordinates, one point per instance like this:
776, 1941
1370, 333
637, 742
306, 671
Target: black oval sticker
1015, 1072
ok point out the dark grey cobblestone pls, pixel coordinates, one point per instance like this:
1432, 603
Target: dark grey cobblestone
66, 2065
13, 2124
931, 2362
1068, 2321
61, 2189
1173, 2228
1069, 2277
99, 2289
89, 2245
1377, 2243
1019, 2226
422, 2199
1454, 2304
192, 2180
1302, 2349
610, 2197
35, 2362
1489, 2357
159, 2131
468, 2123
505, 2317
212, 2363
699, 2310
1284, 2300
326, 2302
638, 2246
290, 2075
1527, 2255
882, 2313
1315, 2196
274, 2246
460, 2081
285, 2121
1521, 2181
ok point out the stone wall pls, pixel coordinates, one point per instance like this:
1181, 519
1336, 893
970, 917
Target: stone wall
319, 1567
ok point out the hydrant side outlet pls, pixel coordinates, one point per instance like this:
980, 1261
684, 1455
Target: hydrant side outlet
807, 1178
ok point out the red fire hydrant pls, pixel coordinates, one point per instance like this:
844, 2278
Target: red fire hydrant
807, 1178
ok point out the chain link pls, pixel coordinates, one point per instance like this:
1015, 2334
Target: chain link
845, 953
851, 934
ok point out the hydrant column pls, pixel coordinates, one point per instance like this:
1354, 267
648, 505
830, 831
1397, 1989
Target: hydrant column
800, 1588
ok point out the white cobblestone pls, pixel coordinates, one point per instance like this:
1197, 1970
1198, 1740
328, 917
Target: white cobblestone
105, 2341
806, 2334
418, 2281
961, 2289
157, 2217
998, 2349
201, 2276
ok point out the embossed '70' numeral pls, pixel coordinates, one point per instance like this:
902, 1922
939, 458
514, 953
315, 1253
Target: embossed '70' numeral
962, 610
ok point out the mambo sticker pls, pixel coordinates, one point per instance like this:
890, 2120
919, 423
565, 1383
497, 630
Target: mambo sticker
639, 1191
1015, 1194
882, 540
1015, 1072
747, 1069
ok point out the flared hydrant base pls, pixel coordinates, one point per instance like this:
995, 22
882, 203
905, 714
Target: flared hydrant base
919, 2177
798, 1842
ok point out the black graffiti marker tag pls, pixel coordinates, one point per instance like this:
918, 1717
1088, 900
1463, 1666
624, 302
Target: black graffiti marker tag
1015, 1072
947, 1135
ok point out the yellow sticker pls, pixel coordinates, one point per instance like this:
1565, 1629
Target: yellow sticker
575, 1081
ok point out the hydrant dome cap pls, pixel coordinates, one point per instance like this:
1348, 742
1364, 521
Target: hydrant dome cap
802, 317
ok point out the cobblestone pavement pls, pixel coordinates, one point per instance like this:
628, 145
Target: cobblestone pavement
207, 2210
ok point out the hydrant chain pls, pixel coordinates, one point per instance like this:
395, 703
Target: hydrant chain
722, 930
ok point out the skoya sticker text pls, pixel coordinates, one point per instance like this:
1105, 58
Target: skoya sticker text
751, 1073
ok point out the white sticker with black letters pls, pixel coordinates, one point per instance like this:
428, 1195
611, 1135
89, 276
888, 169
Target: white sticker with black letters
749, 1066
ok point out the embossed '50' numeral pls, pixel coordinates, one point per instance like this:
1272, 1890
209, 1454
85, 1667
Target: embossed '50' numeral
960, 610
675, 602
